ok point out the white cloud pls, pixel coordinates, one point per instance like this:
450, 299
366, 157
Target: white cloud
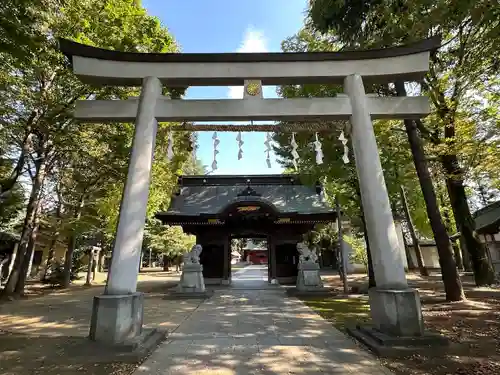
253, 41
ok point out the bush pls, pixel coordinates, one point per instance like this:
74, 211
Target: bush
55, 273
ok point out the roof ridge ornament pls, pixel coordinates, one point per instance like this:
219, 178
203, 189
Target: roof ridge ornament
248, 192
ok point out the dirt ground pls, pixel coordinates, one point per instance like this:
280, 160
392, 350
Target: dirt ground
473, 326
45, 333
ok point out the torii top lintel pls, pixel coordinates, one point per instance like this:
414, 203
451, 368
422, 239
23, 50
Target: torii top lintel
106, 67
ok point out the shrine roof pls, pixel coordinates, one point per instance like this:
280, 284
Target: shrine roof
211, 195
488, 219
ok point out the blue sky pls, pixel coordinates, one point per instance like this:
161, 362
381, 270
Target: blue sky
230, 26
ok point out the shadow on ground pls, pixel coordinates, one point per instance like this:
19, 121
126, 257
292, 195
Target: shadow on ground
47, 335
473, 326
258, 332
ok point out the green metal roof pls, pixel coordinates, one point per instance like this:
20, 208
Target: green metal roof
488, 219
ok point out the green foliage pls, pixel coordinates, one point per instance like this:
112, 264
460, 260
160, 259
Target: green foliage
238, 244
22, 24
341, 179
323, 236
359, 254
168, 240
463, 81
82, 166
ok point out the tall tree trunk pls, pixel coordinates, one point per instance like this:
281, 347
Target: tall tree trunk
8, 184
3, 262
465, 254
90, 262
28, 226
165, 263
13, 258
483, 272
30, 251
416, 243
456, 248
55, 235
342, 260
449, 272
94, 264
100, 263
68, 259
50, 257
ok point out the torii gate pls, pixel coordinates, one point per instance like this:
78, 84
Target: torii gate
395, 309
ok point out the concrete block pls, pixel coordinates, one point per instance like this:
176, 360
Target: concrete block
396, 312
117, 319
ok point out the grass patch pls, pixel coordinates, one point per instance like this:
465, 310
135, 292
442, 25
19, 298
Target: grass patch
341, 312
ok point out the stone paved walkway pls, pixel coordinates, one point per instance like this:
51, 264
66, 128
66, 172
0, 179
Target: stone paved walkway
257, 332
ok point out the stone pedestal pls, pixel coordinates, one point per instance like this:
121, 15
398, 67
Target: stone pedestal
192, 279
396, 312
397, 327
117, 319
308, 278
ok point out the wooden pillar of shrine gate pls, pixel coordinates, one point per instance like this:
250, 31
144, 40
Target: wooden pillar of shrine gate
117, 315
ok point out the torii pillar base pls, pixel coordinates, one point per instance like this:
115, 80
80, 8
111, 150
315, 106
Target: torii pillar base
117, 319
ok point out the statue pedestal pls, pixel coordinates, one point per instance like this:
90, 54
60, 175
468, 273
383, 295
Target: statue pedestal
308, 279
192, 279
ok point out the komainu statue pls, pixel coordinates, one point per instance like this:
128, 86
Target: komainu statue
306, 255
192, 282
308, 277
193, 256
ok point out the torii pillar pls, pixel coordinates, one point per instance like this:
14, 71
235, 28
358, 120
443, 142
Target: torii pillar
394, 307
117, 315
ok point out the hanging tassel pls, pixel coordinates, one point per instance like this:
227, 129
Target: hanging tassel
295, 154
216, 143
343, 139
324, 196
319, 152
240, 143
267, 143
170, 146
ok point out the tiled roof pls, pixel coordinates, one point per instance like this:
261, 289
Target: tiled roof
285, 194
488, 218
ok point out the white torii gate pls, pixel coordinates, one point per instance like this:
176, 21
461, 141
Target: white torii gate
117, 315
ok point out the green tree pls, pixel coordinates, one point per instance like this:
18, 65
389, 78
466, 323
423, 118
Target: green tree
341, 180
170, 241
462, 82
38, 94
